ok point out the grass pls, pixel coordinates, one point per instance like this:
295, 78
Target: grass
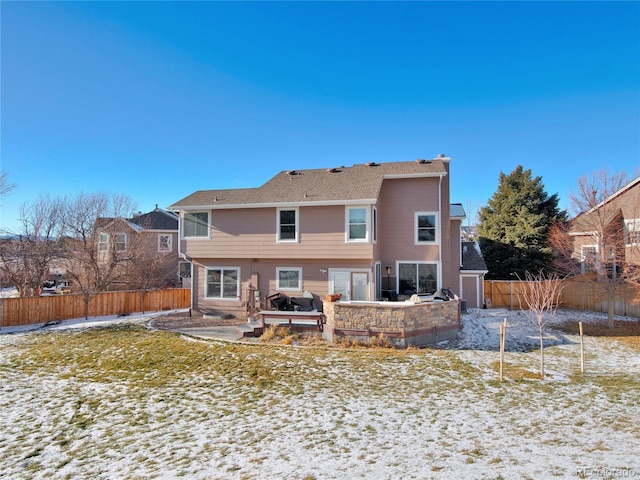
87, 398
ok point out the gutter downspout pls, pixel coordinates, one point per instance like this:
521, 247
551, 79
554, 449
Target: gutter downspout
440, 230
186, 258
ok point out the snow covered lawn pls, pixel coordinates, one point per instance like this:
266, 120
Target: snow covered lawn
114, 399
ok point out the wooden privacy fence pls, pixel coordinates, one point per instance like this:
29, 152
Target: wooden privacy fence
576, 293
27, 311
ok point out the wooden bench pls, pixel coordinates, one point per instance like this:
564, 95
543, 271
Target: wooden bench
292, 317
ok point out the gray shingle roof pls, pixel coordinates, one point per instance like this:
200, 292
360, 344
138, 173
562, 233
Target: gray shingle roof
156, 220
472, 258
456, 210
340, 184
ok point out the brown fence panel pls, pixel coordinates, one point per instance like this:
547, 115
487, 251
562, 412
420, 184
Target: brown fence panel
28, 311
578, 294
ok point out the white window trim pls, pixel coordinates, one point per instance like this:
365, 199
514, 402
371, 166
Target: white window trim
415, 228
297, 226
367, 235
105, 243
116, 242
206, 284
583, 258
632, 225
169, 243
182, 221
288, 269
419, 262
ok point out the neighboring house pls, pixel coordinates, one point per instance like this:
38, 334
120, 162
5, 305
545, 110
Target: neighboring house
368, 231
613, 224
152, 233
469, 233
472, 275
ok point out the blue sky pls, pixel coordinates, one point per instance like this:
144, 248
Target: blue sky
159, 99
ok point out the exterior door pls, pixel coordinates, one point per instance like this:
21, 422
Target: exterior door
352, 285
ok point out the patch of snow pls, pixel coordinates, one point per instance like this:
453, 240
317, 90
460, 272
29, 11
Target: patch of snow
352, 424
91, 322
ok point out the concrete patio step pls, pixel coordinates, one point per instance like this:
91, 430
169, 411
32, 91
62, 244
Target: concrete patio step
250, 329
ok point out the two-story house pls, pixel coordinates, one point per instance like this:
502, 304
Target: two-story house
152, 238
607, 236
361, 231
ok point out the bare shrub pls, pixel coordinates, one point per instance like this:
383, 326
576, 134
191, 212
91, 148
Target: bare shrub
541, 297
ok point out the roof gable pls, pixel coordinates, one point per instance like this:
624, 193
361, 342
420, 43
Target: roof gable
359, 183
611, 197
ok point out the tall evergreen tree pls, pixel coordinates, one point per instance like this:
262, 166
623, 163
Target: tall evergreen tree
514, 226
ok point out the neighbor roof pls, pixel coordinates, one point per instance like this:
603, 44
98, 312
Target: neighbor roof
156, 220
456, 210
472, 259
361, 182
586, 223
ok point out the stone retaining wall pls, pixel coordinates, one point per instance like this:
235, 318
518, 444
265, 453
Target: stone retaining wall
402, 323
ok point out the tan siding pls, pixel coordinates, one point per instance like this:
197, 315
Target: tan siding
251, 233
315, 279
399, 200
452, 257
629, 204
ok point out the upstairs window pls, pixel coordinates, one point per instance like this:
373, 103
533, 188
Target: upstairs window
195, 224
357, 224
165, 243
120, 242
426, 228
103, 242
632, 231
288, 225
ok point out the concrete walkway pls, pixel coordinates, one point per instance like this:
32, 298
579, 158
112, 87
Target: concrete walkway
225, 333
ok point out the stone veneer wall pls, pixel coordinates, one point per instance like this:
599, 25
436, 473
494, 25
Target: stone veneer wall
402, 323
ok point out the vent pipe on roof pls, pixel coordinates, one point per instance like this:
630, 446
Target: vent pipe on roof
441, 155
371, 164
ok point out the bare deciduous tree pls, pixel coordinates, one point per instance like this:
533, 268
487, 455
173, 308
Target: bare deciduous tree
27, 255
150, 269
539, 300
5, 185
593, 244
97, 254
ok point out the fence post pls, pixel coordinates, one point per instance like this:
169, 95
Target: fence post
510, 294
581, 348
